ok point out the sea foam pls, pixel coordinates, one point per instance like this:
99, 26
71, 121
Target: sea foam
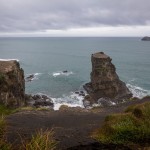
137, 91
9, 60
62, 73
71, 100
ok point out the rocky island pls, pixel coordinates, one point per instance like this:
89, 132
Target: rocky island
146, 38
105, 83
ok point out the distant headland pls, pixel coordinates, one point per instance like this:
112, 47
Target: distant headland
146, 38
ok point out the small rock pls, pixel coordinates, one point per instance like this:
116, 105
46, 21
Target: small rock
30, 77
104, 102
76, 92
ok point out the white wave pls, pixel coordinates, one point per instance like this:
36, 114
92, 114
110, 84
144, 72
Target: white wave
35, 76
9, 60
62, 73
137, 91
72, 100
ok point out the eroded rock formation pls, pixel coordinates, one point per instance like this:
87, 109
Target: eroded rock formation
12, 84
105, 83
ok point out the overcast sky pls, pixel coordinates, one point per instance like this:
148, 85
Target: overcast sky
74, 17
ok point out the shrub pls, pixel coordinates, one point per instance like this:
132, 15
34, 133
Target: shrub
3, 143
5, 110
43, 140
2, 78
133, 126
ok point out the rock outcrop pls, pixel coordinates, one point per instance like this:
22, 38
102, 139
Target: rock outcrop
39, 100
12, 84
146, 38
105, 83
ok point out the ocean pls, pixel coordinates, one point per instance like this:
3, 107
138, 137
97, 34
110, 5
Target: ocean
48, 57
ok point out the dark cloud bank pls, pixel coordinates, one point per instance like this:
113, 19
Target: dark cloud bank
41, 15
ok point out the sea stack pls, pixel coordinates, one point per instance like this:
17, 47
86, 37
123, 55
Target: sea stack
105, 82
12, 84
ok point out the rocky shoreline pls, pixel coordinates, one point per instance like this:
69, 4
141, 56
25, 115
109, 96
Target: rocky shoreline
72, 126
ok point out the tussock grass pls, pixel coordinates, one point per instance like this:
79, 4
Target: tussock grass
43, 140
3, 143
133, 126
5, 110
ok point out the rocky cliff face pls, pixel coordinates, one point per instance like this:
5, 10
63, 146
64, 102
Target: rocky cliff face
12, 84
105, 83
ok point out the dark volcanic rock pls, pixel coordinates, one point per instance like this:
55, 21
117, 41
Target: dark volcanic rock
42, 102
30, 77
146, 38
104, 80
12, 84
39, 100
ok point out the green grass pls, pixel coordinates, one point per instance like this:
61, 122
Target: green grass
5, 110
3, 143
2, 78
43, 140
133, 126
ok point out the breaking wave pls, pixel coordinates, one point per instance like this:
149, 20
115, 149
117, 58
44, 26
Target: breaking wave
9, 60
62, 73
33, 76
138, 91
72, 100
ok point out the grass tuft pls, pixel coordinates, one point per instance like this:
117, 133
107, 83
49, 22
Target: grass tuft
4, 145
133, 126
43, 140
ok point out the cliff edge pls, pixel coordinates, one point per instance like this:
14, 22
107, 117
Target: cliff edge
12, 84
105, 82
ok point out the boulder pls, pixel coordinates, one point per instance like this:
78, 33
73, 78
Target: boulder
42, 102
12, 84
105, 82
39, 100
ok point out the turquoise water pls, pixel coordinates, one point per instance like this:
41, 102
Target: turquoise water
47, 57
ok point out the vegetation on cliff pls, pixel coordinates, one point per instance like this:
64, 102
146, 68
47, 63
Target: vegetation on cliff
42, 140
132, 126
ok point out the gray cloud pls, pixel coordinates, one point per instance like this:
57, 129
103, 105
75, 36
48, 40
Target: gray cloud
40, 15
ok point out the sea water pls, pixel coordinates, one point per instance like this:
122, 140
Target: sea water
62, 65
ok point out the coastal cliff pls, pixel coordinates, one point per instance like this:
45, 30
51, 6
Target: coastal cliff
105, 82
12, 84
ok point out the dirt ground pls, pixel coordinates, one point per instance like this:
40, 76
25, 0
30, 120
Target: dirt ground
72, 128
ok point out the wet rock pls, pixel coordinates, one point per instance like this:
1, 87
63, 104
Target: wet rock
12, 84
88, 101
30, 77
65, 71
105, 102
39, 100
36, 97
80, 93
105, 81
76, 92
42, 102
